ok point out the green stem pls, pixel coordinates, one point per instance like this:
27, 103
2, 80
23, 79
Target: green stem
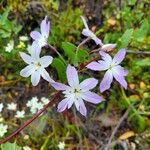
55, 50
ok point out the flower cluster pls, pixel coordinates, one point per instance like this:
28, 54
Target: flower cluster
75, 92
34, 105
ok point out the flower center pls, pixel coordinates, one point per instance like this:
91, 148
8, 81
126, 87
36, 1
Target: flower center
37, 65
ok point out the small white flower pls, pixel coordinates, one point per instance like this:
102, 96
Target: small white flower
23, 38
9, 46
26, 148
1, 107
11, 106
32, 102
45, 100
20, 114
34, 105
3, 129
61, 145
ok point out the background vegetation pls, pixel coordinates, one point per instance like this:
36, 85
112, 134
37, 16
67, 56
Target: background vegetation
125, 22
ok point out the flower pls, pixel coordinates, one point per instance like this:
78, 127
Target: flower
11, 106
34, 105
9, 46
36, 66
23, 38
1, 107
87, 32
3, 129
40, 39
61, 145
20, 114
113, 69
26, 148
45, 100
76, 92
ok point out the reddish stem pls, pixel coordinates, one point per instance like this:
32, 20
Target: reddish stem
16, 132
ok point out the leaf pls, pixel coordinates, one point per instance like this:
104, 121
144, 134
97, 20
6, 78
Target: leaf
132, 2
125, 39
69, 50
4, 16
142, 32
144, 62
126, 135
82, 55
10, 146
60, 67
138, 122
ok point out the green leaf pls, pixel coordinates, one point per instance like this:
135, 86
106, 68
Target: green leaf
132, 2
144, 62
10, 146
4, 16
142, 32
60, 68
82, 55
125, 39
138, 123
69, 50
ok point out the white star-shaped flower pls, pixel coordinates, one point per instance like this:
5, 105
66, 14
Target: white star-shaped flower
20, 114
3, 129
36, 66
11, 106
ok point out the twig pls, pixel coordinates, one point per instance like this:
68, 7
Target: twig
83, 42
16, 132
139, 52
128, 51
116, 128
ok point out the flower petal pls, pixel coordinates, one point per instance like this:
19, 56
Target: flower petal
59, 86
107, 47
92, 97
27, 71
82, 108
98, 66
88, 84
86, 32
35, 35
118, 58
35, 78
120, 70
45, 27
97, 40
77, 104
35, 50
106, 81
72, 76
106, 57
120, 79
71, 101
46, 61
45, 75
26, 58
62, 105
85, 23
